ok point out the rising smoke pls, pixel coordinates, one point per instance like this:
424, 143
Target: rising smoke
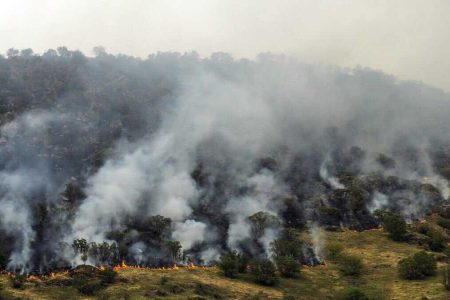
207, 143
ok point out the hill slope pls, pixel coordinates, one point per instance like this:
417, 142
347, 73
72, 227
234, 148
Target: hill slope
379, 279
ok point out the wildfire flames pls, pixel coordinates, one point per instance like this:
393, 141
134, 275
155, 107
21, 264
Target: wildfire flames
121, 266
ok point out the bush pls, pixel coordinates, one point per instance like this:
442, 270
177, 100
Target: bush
284, 247
288, 266
437, 242
350, 264
108, 275
354, 294
395, 225
444, 222
418, 266
333, 250
18, 281
229, 264
86, 285
263, 272
424, 229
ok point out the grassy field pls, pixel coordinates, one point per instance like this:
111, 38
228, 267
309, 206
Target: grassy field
379, 279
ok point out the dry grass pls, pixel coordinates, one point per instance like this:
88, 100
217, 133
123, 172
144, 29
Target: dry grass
379, 279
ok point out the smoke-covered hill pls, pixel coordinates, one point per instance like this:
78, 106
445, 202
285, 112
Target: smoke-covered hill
215, 153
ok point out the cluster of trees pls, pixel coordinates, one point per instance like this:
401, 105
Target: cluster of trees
286, 261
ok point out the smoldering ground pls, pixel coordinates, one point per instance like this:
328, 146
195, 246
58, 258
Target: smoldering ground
95, 148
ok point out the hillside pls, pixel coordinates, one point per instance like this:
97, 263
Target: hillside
379, 279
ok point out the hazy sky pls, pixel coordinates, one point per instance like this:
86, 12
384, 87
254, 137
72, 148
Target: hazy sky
407, 38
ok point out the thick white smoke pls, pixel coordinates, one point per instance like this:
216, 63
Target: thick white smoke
225, 116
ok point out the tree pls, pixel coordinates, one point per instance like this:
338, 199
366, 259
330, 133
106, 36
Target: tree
229, 264
418, 266
81, 247
260, 221
395, 225
263, 272
174, 249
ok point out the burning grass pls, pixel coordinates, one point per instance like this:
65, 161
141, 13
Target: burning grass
379, 279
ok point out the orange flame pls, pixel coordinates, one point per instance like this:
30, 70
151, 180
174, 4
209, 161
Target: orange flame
32, 278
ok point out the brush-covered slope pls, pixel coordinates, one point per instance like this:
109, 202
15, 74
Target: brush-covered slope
379, 279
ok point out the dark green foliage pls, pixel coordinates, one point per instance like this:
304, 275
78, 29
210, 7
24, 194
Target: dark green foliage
444, 222
395, 225
86, 284
263, 272
284, 247
424, 229
350, 265
18, 281
243, 262
444, 212
174, 249
260, 221
418, 266
354, 294
104, 253
3, 261
229, 264
108, 275
288, 266
437, 242
81, 247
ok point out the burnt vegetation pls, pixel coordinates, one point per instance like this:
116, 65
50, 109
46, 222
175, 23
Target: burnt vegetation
64, 117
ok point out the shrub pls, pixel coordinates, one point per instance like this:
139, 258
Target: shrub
424, 229
229, 264
354, 294
108, 275
284, 247
418, 266
18, 281
395, 225
350, 264
444, 222
263, 272
437, 242
288, 266
333, 250
86, 285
